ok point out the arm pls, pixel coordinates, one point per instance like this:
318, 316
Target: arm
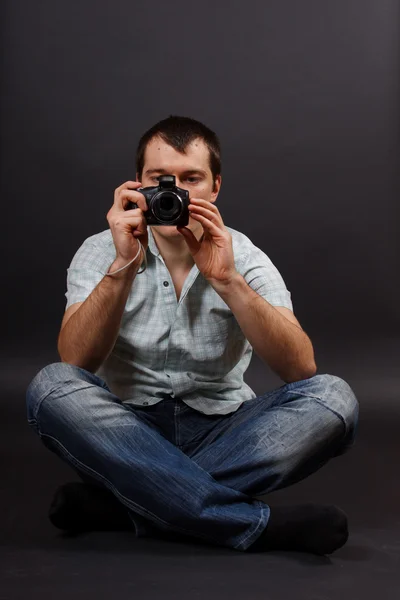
278, 341
87, 337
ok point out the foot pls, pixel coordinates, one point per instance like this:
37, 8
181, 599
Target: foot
314, 528
78, 506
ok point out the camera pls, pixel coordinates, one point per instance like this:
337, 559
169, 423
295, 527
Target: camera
167, 203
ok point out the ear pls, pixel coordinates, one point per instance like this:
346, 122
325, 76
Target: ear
217, 187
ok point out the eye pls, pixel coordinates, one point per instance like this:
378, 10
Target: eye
194, 179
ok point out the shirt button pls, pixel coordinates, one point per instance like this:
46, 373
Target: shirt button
166, 284
145, 403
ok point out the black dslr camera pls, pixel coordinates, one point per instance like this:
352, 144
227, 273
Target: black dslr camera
167, 203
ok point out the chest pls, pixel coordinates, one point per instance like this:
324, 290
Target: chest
179, 278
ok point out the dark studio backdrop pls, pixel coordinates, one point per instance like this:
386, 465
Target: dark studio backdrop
305, 99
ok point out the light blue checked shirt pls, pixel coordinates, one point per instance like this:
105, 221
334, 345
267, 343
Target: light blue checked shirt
193, 349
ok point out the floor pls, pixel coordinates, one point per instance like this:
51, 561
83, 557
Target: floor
38, 561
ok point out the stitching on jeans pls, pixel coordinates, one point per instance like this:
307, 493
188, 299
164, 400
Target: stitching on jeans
319, 400
334, 412
38, 403
259, 524
90, 471
292, 384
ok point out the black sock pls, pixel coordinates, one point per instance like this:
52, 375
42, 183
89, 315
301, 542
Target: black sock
79, 506
315, 528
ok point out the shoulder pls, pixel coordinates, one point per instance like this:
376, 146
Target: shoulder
98, 241
103, 239
258, 269
95, 251
245, 251
241, 244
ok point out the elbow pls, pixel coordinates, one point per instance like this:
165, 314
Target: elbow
311, 372
301, 373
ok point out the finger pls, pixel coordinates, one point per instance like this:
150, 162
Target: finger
125, 196
205, 203
208, 225
129, 184
216, 218
190, 239
125, 186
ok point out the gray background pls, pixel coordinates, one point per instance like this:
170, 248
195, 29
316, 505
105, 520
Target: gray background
304, 96
305, 99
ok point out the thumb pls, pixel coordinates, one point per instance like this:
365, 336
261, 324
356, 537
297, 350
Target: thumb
190, 239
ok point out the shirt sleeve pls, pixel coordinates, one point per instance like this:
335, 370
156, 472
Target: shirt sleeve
264, 278
86, 270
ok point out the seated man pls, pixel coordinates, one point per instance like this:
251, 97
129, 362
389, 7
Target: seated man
149, 405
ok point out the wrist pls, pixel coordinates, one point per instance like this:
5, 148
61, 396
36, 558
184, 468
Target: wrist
228, 285
120, 263
126, 266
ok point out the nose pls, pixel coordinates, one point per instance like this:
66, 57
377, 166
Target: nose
178, 182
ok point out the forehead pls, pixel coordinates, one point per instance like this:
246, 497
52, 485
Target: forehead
159, 154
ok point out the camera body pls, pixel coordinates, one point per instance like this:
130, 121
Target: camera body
167, 203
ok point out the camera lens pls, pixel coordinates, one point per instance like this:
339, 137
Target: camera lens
167, 207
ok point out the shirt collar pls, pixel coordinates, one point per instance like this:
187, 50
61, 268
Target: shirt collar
152, 246
152, 243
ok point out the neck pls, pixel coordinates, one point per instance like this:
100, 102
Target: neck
174, 250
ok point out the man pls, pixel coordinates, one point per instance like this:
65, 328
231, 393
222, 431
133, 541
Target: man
149, 405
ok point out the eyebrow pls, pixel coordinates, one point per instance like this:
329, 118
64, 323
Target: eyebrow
187, 172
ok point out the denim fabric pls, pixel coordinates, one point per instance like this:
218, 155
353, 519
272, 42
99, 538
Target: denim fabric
178, 470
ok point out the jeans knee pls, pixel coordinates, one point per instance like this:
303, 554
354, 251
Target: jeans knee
50, 377
341, 399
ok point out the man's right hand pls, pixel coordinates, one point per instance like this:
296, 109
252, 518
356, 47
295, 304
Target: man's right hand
126, 225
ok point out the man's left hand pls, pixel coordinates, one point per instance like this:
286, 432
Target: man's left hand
213, 254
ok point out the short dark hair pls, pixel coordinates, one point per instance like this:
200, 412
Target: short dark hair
179, 132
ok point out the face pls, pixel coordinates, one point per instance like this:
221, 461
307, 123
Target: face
192, 173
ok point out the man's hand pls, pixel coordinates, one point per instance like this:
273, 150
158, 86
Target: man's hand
213, 254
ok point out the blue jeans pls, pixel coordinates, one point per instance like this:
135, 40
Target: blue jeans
179, 471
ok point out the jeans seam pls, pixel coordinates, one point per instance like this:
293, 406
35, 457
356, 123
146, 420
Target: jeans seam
38, 403
321, 403
100, 477
258, 526
340, 417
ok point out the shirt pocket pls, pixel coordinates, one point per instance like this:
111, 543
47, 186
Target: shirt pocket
223, 337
